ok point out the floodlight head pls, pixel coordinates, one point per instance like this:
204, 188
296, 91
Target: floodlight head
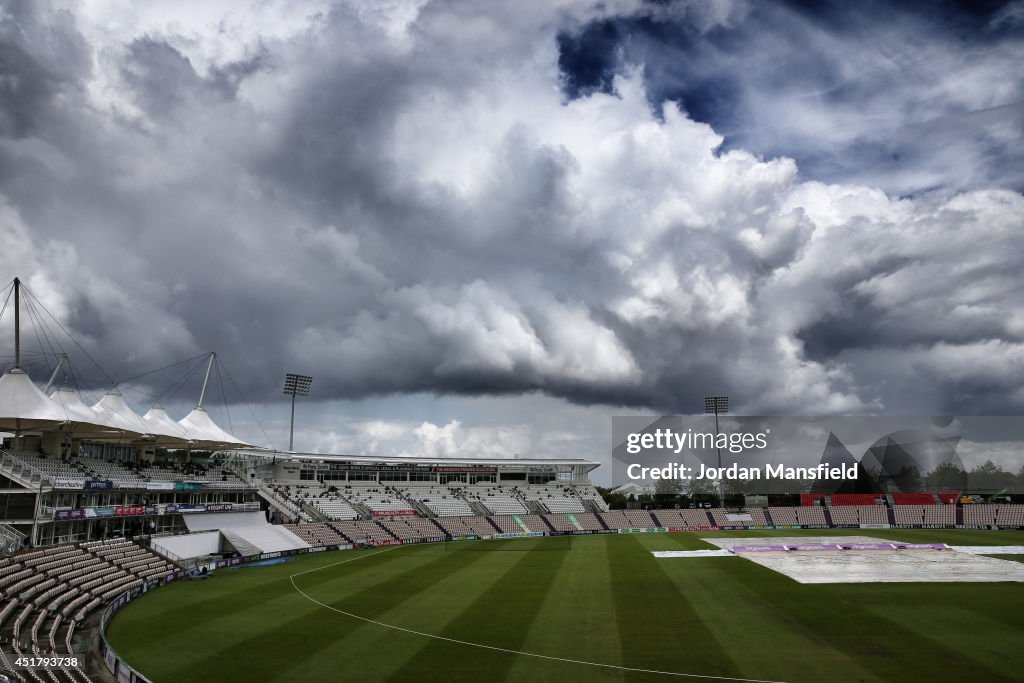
297, 385
716, 404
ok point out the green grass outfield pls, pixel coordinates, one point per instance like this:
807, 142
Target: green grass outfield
605, 600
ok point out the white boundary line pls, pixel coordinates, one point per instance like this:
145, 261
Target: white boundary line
494, 647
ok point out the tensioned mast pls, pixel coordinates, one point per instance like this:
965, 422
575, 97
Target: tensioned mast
17, 324
202, 394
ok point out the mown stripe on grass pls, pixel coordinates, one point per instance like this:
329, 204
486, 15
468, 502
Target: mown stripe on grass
230, 591
575, 621
995, 614
873, 640
764, 641
501, 615
657, 625
306, 630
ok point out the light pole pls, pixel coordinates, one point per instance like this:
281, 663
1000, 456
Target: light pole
295, 385
716, 405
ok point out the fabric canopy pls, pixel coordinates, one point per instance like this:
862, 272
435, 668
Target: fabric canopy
24, 406
164, 428
203, 429
81, 419
116, 413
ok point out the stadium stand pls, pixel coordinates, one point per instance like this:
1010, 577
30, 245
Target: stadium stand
640, 519
442, 501
913, 498
555, 498
685, 519
507, 524
810, 516
466, 526
61, 472
317, 534
590, 494
379, 499
919, 515
859, 514
837, 499
497, 499
47, 593
783, 516
1009, 514
365, 531
535, 523
413, 529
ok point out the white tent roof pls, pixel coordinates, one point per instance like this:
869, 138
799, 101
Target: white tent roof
24, 406
81, 417
202, 428
161, 425
116, 413
74, 408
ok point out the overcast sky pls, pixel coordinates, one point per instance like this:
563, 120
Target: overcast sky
486, 227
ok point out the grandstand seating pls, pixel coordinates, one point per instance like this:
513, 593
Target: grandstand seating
466, 526
808, 516
380, 499
535, 523
783, 516
855, 499
507, 524
51, 590
440, 500
60, 472
409, 528
588, 521
1010, 515
980, 514
913, 499
859, 514
555, 498
917, 515
123, 476
327, 502
590, 493
317, 534
497, 499
615, 519
1002, 514
287, 497
364, 531
685, 519
192, 473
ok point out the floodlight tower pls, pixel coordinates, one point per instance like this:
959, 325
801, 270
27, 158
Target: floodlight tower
295, 385
716, 405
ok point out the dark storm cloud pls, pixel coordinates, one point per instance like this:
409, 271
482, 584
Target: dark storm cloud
908, 96
479, 201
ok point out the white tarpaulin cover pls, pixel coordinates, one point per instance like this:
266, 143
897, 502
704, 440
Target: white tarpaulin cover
24, 406
989, 549
872, 566
248, 532
188, 546
693, 553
